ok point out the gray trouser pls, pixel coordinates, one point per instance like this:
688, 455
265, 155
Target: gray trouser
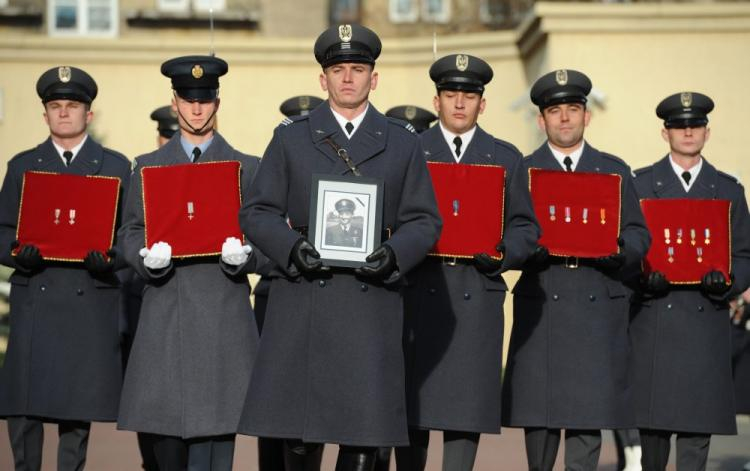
692, 450
582, 449
27, 439
459, 451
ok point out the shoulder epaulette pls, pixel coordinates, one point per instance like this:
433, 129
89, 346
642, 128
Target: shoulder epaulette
116, 154
642, 171
402, 124
507, 145
292, 119
733, 179
22, 154
615, 159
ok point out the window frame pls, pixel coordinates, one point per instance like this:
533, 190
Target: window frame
395, 17
82, 28
444, 16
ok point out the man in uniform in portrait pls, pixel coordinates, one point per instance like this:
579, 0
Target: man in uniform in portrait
63, 363
327, 373
454, 306
347, 232
680, 333
567, 363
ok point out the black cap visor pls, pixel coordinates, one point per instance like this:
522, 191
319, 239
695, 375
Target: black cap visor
683, 122
347, 52
460, 84
197, 94
561, 97
69, 91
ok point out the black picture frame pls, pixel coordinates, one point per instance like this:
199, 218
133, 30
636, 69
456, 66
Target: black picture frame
345, 241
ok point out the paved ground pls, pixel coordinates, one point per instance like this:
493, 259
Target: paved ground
111, 450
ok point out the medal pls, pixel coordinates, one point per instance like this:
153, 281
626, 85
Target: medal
666, 235
72, 217
670, 252
552, 212
699, 251
707, 240
57, 216
585, 215
190, 210
679, 236
567, 213
692, 236
603, 215
455, 207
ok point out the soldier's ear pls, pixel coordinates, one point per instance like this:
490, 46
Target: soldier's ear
323, 82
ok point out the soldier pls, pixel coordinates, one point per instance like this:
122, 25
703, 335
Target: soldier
454, 307
567, 363
330, 367
347, 232
192, 355
419, 118
680, 334
63, 361
167, 124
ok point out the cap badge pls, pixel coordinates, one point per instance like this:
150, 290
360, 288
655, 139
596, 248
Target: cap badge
345, 33
304, 102
197, 71
410, 112
561, 77
64, 74
686, 98
462, 62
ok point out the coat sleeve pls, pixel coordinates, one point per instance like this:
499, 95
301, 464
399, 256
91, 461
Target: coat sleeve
635, 236
132, 235
418, 222
740, 220
117, 247
521, 229
10, 196
263, 215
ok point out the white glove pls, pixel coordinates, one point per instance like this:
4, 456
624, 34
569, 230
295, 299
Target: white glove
158, 256
233, 252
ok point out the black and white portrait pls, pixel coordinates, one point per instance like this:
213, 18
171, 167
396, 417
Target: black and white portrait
344, 225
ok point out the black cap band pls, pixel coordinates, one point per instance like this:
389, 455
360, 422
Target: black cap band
687, 122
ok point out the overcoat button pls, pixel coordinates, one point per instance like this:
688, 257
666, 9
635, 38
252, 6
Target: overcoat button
322, 283
79, 292
669, 306
700, 308
467, 296
363, 287
592, 297
43, 288
555, 297
432, 290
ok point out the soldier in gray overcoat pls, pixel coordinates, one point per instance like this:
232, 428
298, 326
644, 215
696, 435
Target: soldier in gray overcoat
567, 363
194, 348
330, 365
454, 306
682, 349
63, 363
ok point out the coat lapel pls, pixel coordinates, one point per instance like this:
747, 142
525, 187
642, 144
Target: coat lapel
218, 150
706, 182
173, 152
665, 181
543, 158
434, 147
480, 149
47, 158
89, 159
370, 138
323, 126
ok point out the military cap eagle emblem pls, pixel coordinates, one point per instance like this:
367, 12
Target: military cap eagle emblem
197, 71
64, 74
561, 77
462, 62
304, 102
345, 33
686, 98
410, 112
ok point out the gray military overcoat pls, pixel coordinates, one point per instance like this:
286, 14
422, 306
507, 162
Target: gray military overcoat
682, 341
330, 365
63, 360
454, 337
193, 351
568, 358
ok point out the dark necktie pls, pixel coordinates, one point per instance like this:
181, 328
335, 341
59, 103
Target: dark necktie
568, 163
686, 176
68, 156
196, 153
457, 141
349, 128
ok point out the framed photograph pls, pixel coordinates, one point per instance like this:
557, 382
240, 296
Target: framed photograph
346, 218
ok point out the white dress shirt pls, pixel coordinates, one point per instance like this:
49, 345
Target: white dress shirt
575, 156
465, 140
355, 122
74, 150
694, 171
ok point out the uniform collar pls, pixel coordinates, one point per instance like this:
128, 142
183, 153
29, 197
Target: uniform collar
575, 156
60, 149
694, 171
355, 122
188, 146
465, 140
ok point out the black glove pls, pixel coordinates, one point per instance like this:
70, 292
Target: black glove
714, 283
487, 264
305, 257
538, 260
613, 261
386, 263
97, 264
28, 257
655, 283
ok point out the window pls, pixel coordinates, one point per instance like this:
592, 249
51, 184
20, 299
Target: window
438, 11
197, 5
82, 17
206, 5
3, 3
403, 11
344, 11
